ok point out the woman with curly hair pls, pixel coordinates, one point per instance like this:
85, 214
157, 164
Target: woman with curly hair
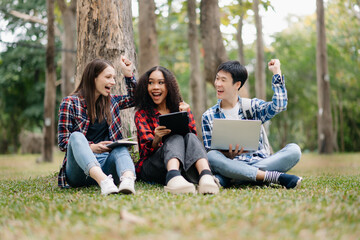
179, 161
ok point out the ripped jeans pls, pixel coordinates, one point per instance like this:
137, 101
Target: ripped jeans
80, 158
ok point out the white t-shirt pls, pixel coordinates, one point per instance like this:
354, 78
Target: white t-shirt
232, 113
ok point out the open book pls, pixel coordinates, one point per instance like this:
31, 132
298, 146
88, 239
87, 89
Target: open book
122, 142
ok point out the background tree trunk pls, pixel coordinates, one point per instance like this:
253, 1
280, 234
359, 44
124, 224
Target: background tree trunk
260, 84
325, 128
244, 90
105, 31
148, 48
197, 83
50, 87
68, 39
212, 41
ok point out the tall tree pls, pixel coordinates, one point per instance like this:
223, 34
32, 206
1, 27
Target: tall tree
212, 41
50, 87
260, 87
68, 39
325, 127
197, 83
244, 91
105, 31
148, 48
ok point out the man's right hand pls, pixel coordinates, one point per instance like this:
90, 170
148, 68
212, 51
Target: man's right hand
233, 153
274, 66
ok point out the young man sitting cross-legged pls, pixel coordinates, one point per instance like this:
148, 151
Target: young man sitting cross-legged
255, 166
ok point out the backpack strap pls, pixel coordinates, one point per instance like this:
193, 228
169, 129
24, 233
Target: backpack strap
246, 107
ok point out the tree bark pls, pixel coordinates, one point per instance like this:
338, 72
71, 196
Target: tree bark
148, 48
50, 87
105, 31
325, 128
68, 39
244, 90
197, 83
260, 83
212, 41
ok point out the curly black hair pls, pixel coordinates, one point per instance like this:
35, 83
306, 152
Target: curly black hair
143, 99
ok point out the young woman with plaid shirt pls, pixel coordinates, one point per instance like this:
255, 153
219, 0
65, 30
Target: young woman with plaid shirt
89, 120
179, 161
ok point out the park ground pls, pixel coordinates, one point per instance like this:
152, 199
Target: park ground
326, 206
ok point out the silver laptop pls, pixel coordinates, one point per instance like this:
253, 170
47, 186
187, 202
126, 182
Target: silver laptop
246, 133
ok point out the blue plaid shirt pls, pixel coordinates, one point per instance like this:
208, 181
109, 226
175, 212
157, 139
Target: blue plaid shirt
262, 110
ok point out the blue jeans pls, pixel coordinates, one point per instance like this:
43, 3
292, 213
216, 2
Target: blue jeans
226, 169
80, 158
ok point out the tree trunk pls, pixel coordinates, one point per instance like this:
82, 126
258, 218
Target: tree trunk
341, 117
50, 88
260, 84
244, 90
197, 83
325, 128
148, 49
105, 31
212, 41
68, 39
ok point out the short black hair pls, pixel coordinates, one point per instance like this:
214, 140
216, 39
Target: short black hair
238, 72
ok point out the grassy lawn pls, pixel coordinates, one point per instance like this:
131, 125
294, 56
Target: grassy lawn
326, 206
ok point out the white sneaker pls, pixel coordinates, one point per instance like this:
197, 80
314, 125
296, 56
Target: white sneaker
208, 185
179, 185
127, 185
107, 186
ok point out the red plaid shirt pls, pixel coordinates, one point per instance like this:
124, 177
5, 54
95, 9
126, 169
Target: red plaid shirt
146, 124
73, 117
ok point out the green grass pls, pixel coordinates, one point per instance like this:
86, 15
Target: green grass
326, 206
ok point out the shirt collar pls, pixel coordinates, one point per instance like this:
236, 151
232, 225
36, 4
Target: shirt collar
217, 106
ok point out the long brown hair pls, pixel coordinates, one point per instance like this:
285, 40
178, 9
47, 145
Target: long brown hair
143, 99
101, 107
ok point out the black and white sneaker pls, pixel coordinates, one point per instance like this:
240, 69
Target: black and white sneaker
289, 181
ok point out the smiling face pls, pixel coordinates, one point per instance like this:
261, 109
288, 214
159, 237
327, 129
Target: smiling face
157, 88
225, 88
104, 82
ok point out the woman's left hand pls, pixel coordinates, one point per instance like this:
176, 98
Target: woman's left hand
126, 67
183, 107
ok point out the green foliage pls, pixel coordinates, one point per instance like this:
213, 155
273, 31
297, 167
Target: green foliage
173, 43
21, 92
296, 48
22, 71
326, 206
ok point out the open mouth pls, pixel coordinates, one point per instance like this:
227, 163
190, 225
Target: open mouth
156, 94
108, 89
